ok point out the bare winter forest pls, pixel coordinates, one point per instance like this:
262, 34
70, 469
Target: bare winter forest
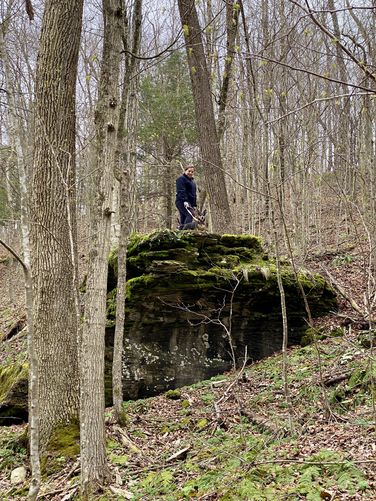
102, 105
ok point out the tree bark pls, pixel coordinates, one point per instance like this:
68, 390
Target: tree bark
55, 320
125, 175
94, 469
232, 21
214, 177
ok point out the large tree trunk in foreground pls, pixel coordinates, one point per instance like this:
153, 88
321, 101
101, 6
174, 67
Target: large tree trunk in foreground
207, 132
52, 234
93, 452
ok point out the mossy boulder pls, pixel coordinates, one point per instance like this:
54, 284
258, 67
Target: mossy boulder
13, 393
189, 292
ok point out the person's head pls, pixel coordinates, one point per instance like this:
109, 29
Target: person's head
189, 171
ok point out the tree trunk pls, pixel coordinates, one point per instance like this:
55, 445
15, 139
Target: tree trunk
55, 320
208, 138
232, 21
125, 175
94, 470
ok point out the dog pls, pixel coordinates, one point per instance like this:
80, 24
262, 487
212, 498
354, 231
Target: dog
199, 220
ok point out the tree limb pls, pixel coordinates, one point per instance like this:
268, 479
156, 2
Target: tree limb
341, 291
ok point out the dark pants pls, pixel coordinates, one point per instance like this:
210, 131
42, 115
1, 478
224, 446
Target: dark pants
185, 216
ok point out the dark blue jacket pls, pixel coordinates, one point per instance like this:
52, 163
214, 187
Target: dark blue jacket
186, 191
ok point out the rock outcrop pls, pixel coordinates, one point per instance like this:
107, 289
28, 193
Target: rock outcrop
199, 303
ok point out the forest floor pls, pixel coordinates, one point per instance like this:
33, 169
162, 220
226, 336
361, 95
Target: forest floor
245, 435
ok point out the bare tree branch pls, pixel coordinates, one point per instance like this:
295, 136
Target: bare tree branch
29, 9
318, 75
335, 39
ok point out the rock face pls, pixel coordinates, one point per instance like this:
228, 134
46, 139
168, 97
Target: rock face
199, 303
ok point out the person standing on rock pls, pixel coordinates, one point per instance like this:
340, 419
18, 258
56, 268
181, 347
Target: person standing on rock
186, 196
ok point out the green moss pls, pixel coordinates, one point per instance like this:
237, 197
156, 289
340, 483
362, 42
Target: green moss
157, 240
123, 418
201, 424
135, 240
140, 263
359, 377
367, 339
65, 441
173, 394
10, 377
113, 260
139, 285
312, 334
160, 284
64, 444
248, 241
118, 459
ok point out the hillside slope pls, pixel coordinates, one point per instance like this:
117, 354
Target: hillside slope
237, 437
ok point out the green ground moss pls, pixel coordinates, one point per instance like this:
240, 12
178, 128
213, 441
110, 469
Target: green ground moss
312, 334
63, 445
65, 441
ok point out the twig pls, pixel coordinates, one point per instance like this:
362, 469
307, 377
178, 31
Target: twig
56, 491
240, 373
351, 301
263, 424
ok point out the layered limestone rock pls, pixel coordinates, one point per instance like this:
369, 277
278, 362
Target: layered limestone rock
198, 304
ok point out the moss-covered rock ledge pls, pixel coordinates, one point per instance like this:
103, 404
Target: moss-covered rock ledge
185, 289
